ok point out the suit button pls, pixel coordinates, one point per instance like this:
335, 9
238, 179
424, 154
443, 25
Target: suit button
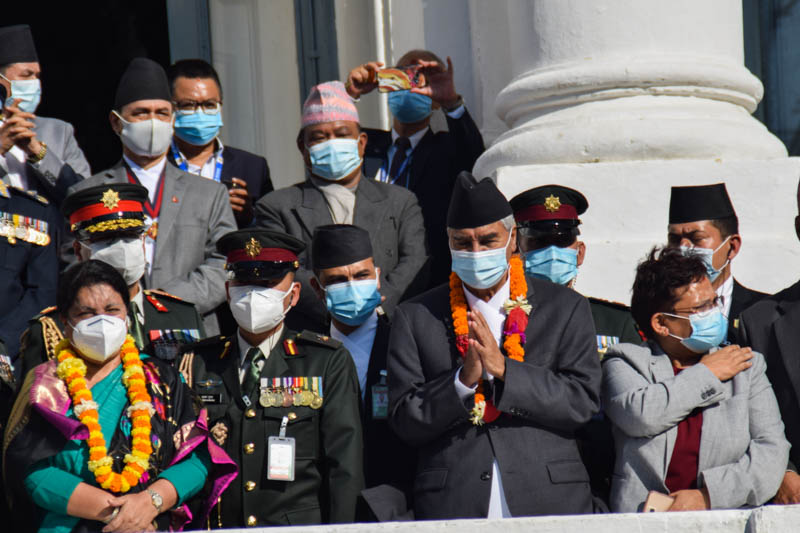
250, 413
486, 476
249, 486
249, 448
251, 521
292, 416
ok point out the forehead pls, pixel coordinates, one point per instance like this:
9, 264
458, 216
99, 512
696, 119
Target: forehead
198, 88
146, 105
364, 264
99, 294
21, 68
695, 293
480, 231
330, 127
700, 226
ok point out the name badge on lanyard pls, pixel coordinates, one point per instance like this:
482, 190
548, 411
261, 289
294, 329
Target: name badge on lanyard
380, 399
183, 165
383, 173
280, 455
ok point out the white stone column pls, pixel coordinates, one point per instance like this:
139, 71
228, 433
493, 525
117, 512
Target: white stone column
604, 92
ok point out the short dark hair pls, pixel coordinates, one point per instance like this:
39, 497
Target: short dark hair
658, 278
192, 69
727, 226
414, 55
87, 274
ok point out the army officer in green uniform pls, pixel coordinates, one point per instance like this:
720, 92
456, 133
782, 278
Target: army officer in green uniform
108, 224
284, 405
548, 220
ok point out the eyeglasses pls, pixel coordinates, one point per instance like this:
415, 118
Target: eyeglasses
189, 107
718, 302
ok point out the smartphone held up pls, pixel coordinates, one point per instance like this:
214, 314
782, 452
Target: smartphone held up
400, 78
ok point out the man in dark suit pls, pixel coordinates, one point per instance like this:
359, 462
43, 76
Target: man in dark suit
268, 382
702, 221
772, 327
108, 224
335, 192
36, 153
491, 375
185, 214
197, 148
347, 281
415, 157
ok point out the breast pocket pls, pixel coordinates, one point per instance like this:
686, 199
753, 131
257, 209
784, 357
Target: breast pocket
214, 397
303, 427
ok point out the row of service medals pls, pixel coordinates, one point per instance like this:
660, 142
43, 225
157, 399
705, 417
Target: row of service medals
291, 392
18, 227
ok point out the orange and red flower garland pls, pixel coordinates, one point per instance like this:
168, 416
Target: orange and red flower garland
514, 331
72, 370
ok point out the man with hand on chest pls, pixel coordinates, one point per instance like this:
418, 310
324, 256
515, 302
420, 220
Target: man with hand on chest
491, 375
108, 224
347, 280
284, 405
197, 147
185, 214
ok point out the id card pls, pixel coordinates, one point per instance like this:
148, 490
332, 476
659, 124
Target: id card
280, 458
380, 401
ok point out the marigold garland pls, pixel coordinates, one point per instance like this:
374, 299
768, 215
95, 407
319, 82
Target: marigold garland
72, 370
514, 331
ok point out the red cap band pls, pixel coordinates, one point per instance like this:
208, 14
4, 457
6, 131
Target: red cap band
99, 210
540, 212
266, 254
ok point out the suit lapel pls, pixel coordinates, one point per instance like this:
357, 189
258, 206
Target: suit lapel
313, 212
175, 183
230, 372
370, 207
661, 370
419, 157
787, 335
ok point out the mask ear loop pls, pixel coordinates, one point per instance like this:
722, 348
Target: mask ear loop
670, 334
727, 260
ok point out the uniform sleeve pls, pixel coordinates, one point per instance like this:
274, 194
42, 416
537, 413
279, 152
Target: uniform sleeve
50, 487
342, 441
205, 285
189, 475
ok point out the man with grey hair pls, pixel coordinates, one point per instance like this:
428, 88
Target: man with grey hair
493, 348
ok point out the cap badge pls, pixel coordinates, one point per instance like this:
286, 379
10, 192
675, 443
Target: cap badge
253, 247
110, 199
552, 203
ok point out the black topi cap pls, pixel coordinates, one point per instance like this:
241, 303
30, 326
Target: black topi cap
475, 203
702, 202
549, 209
337, 245
16, 45
144, 79
260, 254
105, 211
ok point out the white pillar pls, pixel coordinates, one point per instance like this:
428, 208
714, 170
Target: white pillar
603, 92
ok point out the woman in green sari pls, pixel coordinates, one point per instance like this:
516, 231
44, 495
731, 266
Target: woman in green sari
104, 438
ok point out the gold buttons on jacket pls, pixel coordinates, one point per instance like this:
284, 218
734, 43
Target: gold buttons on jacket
250, 413
292, 416
251, 521
249, 448
249, 486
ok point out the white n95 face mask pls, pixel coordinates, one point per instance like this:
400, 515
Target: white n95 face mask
99, 337
257, 309
126, 255
148, 138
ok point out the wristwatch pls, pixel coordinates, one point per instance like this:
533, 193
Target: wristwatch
35, 158
156, 498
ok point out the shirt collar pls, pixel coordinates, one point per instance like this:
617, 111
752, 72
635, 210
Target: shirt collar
266, 346
217, 152
413, 139
362, 332
726, 291
155, 170
496, 301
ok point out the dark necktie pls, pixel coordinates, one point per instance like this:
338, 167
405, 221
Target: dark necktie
251, 372
136, 327
401, 144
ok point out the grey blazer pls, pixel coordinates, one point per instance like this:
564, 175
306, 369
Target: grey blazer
195, 213
389, 213
743, 451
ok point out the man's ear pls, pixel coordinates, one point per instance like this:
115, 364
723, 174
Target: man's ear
658, 326
378, 276
735, 242
116, 123
300, 142
296, 287
362, 144
318, 290
514, 246
581, 252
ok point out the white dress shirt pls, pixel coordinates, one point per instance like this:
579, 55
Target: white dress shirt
13, 162
726, 292
209, 167
266, 347
495, 316
149, 179
359, 344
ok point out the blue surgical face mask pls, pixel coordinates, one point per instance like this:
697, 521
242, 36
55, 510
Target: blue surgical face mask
198, 128
706, 255
481, 270
352, 302
709, 330
559, 265
408, 107
29, 91
335, 159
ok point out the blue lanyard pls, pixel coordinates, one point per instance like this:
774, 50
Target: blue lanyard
183, 165
385, 170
